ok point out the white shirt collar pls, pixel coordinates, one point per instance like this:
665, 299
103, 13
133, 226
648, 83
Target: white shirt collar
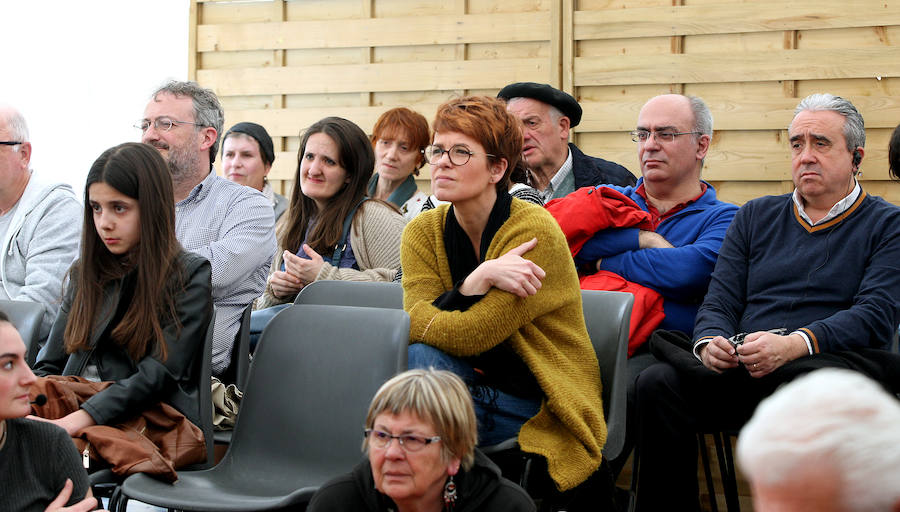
838, 208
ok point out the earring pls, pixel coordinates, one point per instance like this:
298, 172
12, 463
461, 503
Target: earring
449, 494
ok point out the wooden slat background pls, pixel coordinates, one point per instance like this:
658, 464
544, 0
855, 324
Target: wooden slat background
285, 64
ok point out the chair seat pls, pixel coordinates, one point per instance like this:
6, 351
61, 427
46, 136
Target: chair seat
221, 490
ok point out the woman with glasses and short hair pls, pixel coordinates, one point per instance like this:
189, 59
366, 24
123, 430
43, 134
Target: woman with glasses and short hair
420, 440
399, 138
493, 296
247, 156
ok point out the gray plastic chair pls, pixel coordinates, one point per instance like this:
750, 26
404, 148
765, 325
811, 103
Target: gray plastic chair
26, 317
607, 316
314, 372
352, 293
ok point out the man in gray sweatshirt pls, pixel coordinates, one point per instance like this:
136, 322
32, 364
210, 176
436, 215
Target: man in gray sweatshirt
40, 224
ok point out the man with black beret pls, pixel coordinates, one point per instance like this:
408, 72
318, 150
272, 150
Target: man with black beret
557, 166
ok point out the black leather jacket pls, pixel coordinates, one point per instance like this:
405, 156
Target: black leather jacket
148, 381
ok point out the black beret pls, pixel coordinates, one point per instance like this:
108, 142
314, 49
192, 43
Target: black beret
257, 132
545, 94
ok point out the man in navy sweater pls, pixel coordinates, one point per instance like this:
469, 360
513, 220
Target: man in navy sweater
821, 265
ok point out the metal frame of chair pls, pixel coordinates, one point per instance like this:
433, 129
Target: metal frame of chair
299, 426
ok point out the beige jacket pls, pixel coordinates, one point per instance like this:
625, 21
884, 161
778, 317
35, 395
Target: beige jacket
375, 238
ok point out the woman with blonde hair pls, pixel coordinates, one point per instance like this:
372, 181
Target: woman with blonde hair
420, 439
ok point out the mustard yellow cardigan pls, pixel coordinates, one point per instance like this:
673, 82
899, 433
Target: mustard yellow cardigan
546, 330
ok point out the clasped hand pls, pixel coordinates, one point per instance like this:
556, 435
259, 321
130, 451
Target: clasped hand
511, 273
761, 353
298, 272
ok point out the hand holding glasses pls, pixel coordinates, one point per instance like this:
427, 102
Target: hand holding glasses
409, 442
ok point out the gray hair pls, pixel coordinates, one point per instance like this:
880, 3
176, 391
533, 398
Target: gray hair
837, 419
15, 125
854, 127
207, 109
703, 119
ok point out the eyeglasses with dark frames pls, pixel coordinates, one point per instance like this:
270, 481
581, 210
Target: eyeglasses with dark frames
162, 124
10, 143
458, 154
409, 442
663, 136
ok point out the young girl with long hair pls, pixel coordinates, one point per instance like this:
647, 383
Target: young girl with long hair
137, 305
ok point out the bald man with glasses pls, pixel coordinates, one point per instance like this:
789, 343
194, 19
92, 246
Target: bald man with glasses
676, 257
39, 239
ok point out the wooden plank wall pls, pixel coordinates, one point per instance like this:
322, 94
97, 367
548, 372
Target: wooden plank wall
286, 64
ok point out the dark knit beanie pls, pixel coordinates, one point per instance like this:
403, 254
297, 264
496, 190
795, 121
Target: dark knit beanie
266, 149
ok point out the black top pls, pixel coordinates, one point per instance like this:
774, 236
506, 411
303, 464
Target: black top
479, 489
35, 462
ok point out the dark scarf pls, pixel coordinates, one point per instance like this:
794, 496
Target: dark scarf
460, 253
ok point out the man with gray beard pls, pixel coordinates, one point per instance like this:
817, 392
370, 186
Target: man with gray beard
230, 225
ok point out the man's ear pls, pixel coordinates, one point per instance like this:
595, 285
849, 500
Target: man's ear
564, 126
209, 135
25, 154
703, 146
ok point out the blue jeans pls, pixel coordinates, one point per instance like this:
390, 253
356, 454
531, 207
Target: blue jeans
500, 415
259, 319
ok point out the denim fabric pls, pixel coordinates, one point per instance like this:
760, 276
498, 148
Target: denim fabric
500, 415
259, 319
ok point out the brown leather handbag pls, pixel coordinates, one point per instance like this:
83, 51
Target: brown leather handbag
156, 441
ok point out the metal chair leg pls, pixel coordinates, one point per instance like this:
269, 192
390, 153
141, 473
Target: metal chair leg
730, 485
704, 457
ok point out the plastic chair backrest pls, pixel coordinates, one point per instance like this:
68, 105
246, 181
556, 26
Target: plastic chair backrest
26, 317
314, 372
352, 293
607, 316
240, 353
205, 394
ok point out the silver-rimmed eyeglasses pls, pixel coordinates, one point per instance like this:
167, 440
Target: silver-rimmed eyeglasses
409, 442
458, 154
161, 124
663, 136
